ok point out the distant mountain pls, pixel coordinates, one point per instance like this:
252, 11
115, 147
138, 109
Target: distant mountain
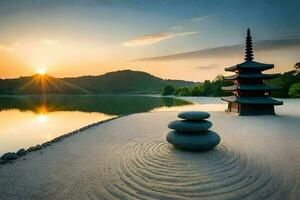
118, 82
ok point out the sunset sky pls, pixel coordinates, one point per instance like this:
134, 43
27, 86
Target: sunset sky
176, 39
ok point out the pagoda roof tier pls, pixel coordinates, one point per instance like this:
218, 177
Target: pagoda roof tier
250, 65
251, 76
257, 87
253, 100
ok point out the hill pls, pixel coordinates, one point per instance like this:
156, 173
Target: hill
118, 82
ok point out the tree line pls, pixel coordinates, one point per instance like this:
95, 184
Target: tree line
289, 83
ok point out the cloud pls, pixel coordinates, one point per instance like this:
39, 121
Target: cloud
176, 27
49, 41
157, 37
6, 48
200, 18
206, 67
13, 47
226, 51
9, 48
186, 33
154, 38
189, 21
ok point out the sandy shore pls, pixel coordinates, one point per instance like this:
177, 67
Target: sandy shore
128, 158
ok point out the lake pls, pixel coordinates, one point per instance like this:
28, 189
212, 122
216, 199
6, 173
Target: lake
26, 121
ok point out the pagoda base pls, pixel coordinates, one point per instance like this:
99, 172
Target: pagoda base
250, 109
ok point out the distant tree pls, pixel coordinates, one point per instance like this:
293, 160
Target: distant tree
216, 87
182, 91
294, 90
297, 68
197, 90
207, 88
176, 91
219, 78
168, 90
284, 81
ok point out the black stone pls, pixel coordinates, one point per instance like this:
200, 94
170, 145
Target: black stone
190, 126
9, 156
21, 152
46, 144
30, 149
194, 115
38, 147
194, 142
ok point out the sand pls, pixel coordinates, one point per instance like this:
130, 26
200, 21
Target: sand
128, 158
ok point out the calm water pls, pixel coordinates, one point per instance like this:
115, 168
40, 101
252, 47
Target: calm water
30, 120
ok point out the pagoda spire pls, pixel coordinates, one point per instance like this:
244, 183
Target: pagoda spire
250, 90
249, 49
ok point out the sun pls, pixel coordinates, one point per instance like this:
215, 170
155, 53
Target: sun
41, 71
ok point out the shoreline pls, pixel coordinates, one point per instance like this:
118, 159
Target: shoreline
37, 145
193, 100
128, 158
12, 156
150, 95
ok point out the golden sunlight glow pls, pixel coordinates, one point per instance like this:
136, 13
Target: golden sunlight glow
42, 118
48, 136
41, 71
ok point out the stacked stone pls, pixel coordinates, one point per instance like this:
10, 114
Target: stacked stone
191, 133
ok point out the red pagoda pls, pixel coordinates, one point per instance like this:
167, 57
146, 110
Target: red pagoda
250, 93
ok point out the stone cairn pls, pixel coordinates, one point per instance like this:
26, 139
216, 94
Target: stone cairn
192, 132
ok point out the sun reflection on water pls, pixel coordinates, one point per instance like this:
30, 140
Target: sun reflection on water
26, 129
48, 136
42, 118
30, 120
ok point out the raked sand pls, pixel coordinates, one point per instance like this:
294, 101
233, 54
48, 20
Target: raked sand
128, 158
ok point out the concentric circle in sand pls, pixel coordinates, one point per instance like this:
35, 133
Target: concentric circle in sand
154, 169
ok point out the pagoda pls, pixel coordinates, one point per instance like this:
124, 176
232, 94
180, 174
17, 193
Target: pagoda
250, 93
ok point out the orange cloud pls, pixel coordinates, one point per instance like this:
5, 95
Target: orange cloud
9, 48
49, 41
